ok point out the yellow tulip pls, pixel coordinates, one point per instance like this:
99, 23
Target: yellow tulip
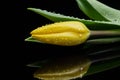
66, 33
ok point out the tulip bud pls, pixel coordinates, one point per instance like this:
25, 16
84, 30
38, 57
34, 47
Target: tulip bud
67, 33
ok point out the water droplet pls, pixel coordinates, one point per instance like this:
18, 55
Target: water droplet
81, 75
81, 68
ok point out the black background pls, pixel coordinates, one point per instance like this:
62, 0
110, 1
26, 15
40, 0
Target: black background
23, 21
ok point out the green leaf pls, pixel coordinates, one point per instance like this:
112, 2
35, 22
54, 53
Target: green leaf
103, 41
30, 39
93, 25
88, 42
104, 65
99, 11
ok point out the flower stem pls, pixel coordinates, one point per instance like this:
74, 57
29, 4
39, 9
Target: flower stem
104, 34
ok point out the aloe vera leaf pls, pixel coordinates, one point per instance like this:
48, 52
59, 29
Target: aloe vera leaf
103, 66
99, 11
92, 25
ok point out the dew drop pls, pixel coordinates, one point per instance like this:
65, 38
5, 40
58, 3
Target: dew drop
81, 68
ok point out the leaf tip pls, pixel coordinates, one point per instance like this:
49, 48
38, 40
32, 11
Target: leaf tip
30, 8
27, 39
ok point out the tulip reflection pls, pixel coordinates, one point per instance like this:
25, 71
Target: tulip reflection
64, 68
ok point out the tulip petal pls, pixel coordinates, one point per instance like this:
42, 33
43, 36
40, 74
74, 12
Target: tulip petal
67, 26
64, 39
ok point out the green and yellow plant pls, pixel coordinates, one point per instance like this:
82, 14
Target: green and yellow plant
103, 28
